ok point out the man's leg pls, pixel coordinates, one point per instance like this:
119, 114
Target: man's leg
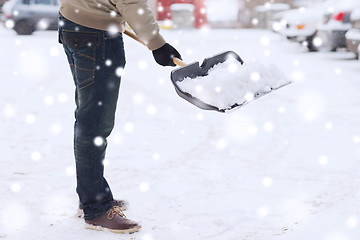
94, 57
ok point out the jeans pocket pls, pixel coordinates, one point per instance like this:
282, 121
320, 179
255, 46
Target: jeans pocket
83, 48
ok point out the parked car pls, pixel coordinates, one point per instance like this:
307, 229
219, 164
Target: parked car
265, 13
300, 24
331, 33
353, 35
27, 16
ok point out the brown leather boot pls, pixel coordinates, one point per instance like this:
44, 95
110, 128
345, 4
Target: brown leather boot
115, 221
122, 204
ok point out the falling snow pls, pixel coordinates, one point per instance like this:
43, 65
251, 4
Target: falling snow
284, 167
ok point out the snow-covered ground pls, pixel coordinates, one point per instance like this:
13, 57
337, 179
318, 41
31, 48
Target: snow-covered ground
285, 166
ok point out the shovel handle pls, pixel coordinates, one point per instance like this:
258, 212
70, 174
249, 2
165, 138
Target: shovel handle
177, 61
135, 37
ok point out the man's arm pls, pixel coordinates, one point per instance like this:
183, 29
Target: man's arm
141, 19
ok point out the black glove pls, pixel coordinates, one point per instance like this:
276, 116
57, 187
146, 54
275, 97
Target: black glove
164, 55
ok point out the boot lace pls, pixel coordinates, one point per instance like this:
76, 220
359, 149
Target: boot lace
113, 211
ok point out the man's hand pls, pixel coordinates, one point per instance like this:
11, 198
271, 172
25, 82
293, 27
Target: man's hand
165, 54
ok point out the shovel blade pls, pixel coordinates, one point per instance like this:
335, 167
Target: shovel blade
194, 70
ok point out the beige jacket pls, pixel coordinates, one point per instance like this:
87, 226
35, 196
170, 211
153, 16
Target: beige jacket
111, 15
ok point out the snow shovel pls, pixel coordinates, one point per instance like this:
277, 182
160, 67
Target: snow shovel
194, 70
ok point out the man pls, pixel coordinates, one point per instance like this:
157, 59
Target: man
90, 31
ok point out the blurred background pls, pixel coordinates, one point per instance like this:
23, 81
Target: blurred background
317, 24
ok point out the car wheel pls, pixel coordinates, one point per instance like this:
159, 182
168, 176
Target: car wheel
24, 27
310, 43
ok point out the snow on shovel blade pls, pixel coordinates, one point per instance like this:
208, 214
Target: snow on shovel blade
194, 70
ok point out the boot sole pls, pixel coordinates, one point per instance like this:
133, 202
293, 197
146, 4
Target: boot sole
121, 231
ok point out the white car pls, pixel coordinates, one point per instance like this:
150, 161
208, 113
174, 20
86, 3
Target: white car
330, 34
27, 16
301, 24
353, 35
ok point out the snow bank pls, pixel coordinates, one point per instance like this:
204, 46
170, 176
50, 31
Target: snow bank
231, 83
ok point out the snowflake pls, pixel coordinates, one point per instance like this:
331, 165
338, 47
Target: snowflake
30, 118
151, 109
263, 211
138, 98
140, 11
119, 71
9, 111
113, 14
70, 170
106, 162
116, 139
255, 21
15, 187
338, 71
296, 62
329, 126
43, 24
49, 100
160, 8
36, 156
62, 97
264, 41
156, 156
352, 222
255, 76
108, 62
142, 64
266, 182
249, 96
54, 51
268, 126
318, 42
267, 53
161, 81
298, 76
9, 23
56, 128
221, 143
99, 141
323, 160
199, 116
129, 127
144, 186
281, 110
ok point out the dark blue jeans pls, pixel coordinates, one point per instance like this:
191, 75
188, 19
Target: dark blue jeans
95, 57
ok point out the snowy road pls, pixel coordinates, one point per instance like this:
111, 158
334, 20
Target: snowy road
283, 167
